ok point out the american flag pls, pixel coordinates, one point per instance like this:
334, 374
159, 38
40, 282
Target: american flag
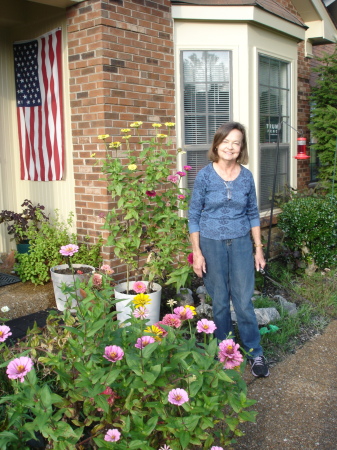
38, 80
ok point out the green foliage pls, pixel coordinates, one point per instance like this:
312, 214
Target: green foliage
323, 124
147, 217
18, 223
62, 397
45, 244
310, 228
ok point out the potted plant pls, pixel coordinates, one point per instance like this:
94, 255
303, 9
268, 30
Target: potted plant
148, 196
67, 275
17, 223
44, 252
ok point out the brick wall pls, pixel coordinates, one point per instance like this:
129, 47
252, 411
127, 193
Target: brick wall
121, 67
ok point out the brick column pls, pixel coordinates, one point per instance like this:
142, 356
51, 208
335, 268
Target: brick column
121, 66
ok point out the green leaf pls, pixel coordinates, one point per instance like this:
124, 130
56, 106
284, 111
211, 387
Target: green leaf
224, 377
96, 326
196, 385
184, 438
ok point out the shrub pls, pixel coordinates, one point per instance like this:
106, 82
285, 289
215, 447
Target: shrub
310, 227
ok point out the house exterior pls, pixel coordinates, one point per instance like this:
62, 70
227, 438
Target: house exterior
197, 63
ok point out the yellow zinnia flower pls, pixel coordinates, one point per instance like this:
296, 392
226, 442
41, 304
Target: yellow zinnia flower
162, 136
158, 332
141, 300
92, 155
125, 130
127, 137
156, 125
192, 308
169, 124
116, 144
136, 124
103, 136
132, 167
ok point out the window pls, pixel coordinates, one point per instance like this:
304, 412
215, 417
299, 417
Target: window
274, 110
207, 102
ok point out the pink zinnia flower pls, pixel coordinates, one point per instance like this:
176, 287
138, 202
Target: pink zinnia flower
112, 395
171, 320
190, 259
5, 332
97, 279
206, 326
19, 367
216, 448
79, 272
144, 341
141, 313
229, 354
178, 396
187, 168
139, 287
107, 269
182, 174
181, 196
113, 435
151, 193
173, 179
69, 250
183, 313
165, 447
113, 353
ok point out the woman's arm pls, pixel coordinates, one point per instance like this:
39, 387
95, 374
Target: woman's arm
259, 256
199, 263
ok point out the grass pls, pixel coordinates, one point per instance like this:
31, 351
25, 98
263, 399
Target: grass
316, 300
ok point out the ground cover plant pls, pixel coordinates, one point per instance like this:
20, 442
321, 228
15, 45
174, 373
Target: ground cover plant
316, 300
87, 382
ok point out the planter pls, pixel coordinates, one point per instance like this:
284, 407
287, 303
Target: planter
124, 310
59, 278
23, 246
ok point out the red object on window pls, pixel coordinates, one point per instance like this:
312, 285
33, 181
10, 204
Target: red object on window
302, 149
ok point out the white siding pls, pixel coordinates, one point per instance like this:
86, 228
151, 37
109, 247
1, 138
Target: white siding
13, 191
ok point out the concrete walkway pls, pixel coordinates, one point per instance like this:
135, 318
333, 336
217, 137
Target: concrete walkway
297, 403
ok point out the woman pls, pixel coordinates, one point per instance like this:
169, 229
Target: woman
223, 215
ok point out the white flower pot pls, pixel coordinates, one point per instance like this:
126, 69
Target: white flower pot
123, 306
59, 278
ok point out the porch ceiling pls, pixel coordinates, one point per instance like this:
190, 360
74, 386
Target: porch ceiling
14, 12
57, 3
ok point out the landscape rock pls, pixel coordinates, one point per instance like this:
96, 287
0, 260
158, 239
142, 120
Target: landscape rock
263, 315
288, 306
201, 290
204, 310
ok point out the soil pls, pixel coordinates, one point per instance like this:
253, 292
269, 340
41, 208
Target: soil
78, 270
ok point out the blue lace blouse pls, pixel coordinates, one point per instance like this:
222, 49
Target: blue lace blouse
223, 210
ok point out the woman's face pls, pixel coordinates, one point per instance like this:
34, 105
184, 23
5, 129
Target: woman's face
229, 148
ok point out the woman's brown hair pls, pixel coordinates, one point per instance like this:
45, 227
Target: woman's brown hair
220, 134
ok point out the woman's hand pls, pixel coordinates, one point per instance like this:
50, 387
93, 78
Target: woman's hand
199, 264
259, 259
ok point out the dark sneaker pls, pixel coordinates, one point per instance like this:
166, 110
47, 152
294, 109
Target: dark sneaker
259, 366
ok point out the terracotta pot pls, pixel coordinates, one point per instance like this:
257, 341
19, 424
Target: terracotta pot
123, 306
59, 278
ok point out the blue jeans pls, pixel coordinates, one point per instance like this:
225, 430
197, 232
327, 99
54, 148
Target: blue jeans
230, 275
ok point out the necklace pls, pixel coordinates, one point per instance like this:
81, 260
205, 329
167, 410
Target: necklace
229, 188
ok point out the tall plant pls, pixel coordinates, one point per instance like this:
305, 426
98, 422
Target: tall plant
323, 123
148, 196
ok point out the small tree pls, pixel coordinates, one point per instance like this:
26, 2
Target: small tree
323, 124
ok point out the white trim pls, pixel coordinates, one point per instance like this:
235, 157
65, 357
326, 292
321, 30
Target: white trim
238, 14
